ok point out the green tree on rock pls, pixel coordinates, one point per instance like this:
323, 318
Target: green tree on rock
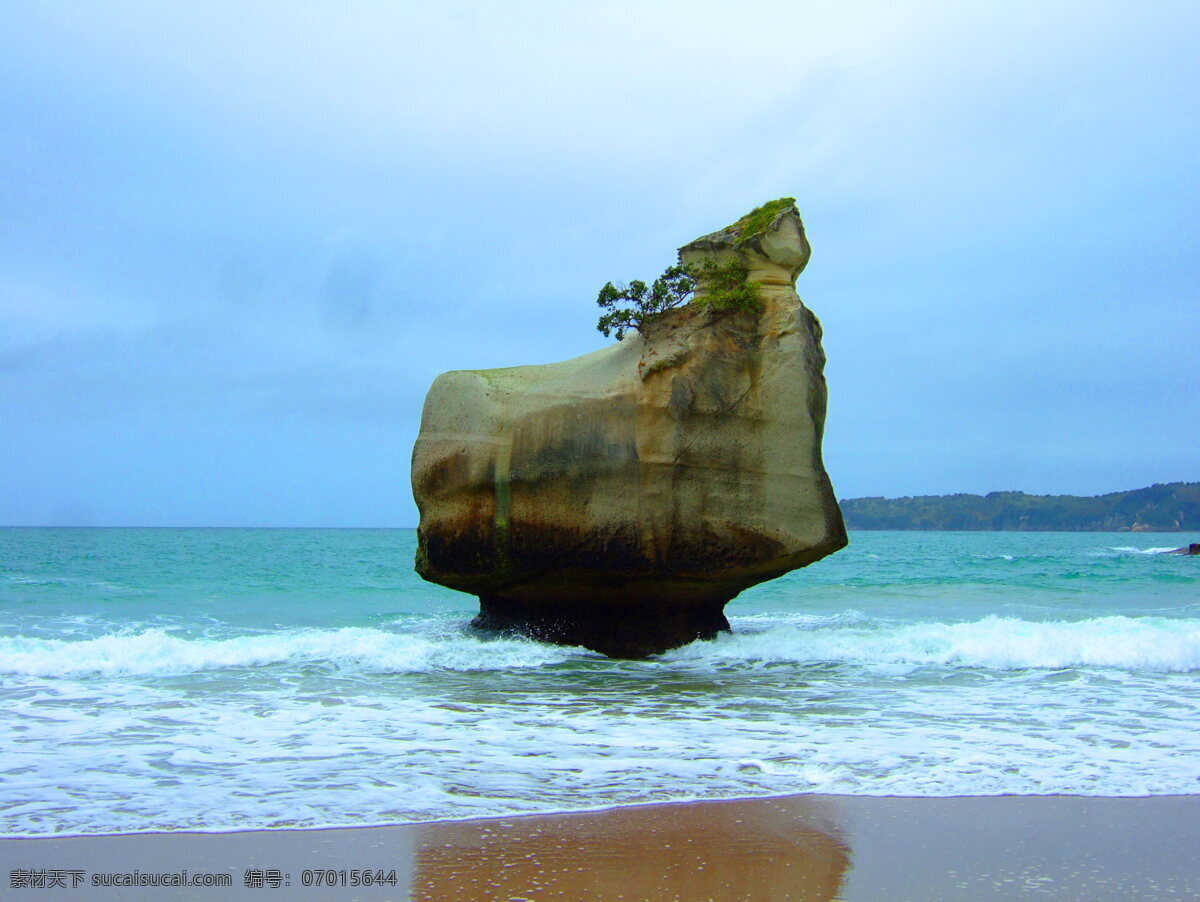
722, 286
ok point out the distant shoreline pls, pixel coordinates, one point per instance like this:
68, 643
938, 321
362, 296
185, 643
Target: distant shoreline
1113, 532
1169, 507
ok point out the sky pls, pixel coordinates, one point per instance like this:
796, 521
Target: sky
238, 240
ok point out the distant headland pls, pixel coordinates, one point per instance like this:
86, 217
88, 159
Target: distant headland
1169, 507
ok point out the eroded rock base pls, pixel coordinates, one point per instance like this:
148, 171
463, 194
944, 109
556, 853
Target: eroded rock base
619, 631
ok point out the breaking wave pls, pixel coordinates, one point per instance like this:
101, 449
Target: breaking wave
154, 652
1153, 644
1129, 549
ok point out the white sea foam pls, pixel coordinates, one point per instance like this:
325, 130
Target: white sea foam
134, 757
1152, 644
1155, 644
153, 652
185, 714
797, 618
1129, 549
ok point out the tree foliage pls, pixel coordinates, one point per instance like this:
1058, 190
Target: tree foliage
721, 286
727, 286
646, 303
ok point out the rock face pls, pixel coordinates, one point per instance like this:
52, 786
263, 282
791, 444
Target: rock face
618, 500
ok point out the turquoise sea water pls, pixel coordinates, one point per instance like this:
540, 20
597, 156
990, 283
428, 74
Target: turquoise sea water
170, 679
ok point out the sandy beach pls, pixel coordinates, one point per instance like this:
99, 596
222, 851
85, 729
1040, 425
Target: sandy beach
807, 847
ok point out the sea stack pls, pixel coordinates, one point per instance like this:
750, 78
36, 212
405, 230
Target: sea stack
618, 500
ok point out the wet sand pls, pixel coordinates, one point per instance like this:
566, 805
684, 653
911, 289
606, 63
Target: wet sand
851, 848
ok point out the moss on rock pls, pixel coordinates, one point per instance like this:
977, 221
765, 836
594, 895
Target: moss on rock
759, 219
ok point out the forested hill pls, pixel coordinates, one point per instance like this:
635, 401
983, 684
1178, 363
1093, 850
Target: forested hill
1173, 507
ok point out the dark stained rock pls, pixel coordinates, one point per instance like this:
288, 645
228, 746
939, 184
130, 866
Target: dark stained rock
618, 500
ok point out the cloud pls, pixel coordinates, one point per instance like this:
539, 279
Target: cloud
287, 218
602, 79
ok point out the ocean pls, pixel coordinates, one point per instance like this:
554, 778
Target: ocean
226, 679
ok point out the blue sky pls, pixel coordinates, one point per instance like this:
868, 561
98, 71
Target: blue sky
239, 240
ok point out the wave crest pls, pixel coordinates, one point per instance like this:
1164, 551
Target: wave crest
154, 652
1152, 644
1155, 644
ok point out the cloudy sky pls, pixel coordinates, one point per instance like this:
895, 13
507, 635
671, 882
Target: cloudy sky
238, 240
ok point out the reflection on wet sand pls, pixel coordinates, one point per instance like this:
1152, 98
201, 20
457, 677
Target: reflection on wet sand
965, 849
785, 849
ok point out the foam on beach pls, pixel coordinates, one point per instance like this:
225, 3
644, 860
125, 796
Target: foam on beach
436, 721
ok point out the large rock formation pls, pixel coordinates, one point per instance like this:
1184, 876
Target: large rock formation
618, 500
